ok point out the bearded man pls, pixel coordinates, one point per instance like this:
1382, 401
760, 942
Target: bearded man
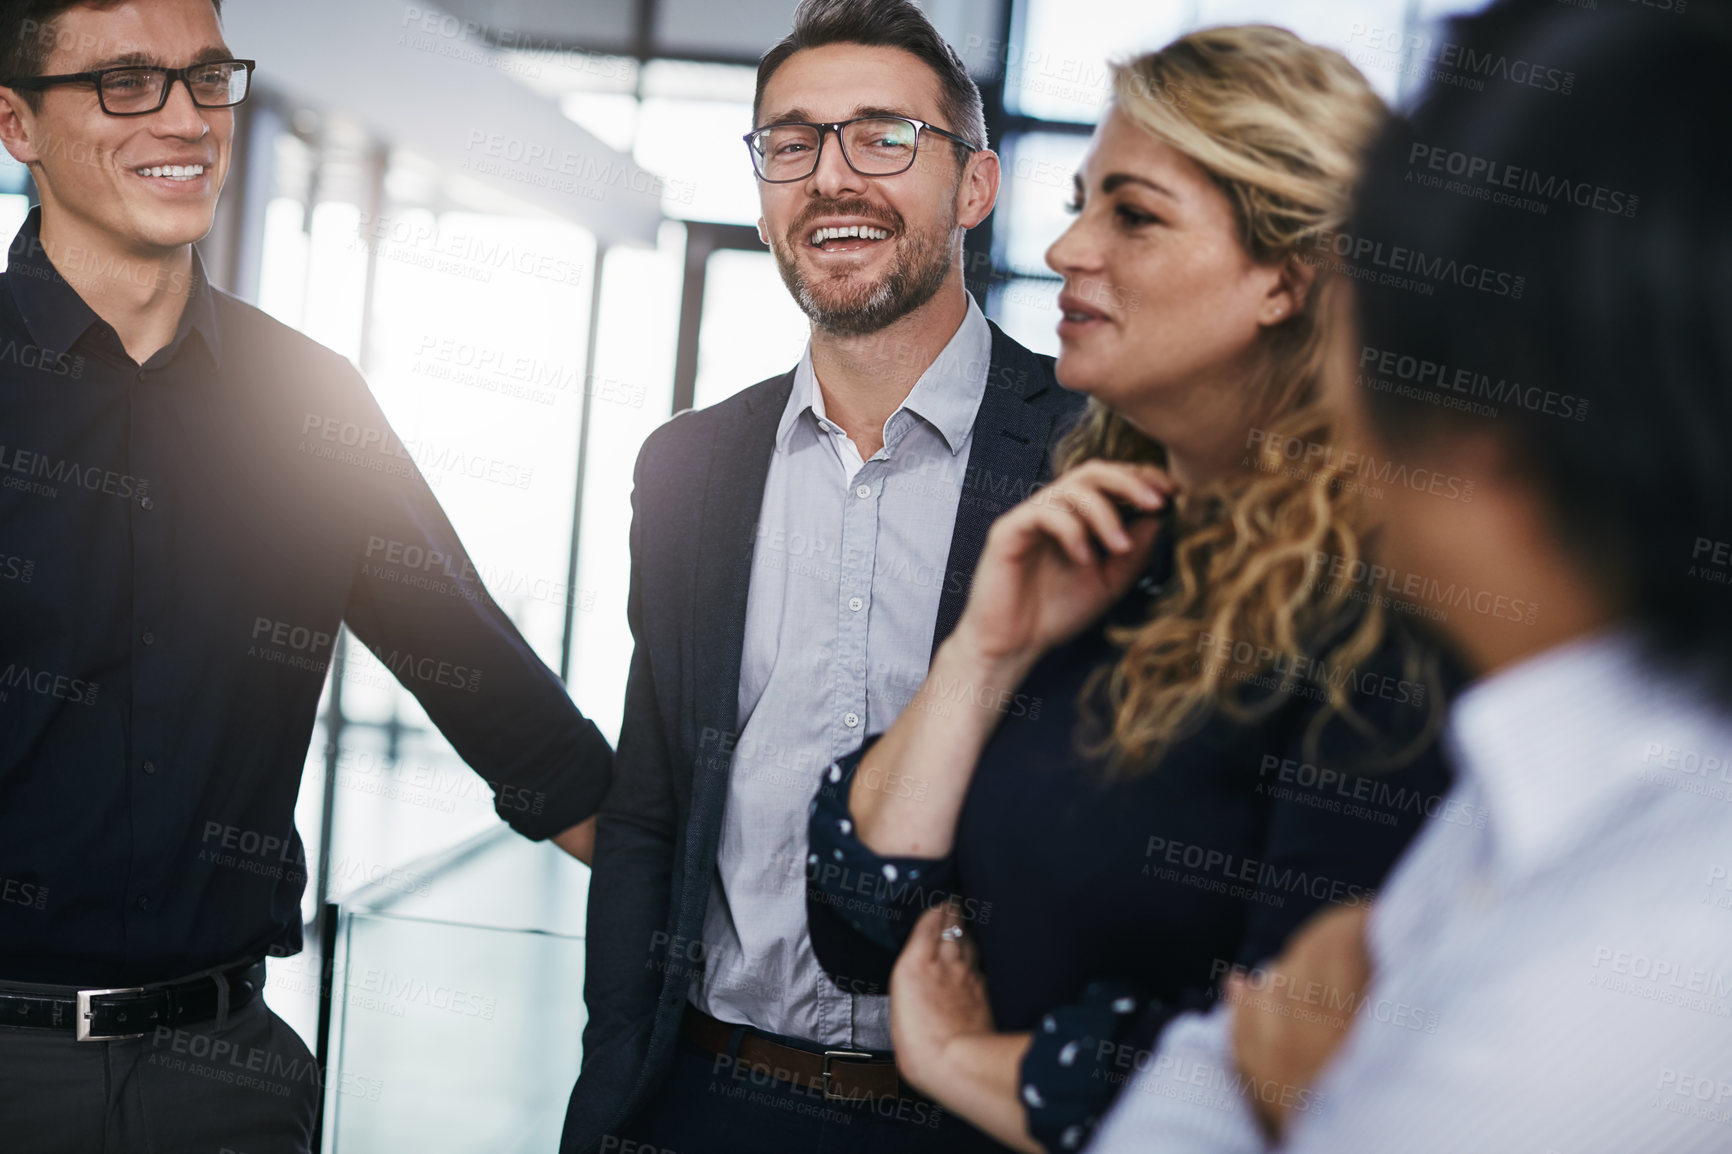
798, 550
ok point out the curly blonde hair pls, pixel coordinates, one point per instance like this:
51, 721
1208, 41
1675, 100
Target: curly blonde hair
1279, 125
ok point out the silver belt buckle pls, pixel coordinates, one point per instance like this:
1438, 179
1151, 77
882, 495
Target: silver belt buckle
828, 1054
81, 1025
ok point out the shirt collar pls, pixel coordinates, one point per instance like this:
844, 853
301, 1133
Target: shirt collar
947, 396
57, 316
1568, 738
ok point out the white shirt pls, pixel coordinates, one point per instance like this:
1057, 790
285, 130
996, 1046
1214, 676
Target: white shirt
847, 571
1559, 981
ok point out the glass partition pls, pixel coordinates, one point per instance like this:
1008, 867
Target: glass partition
457, 1015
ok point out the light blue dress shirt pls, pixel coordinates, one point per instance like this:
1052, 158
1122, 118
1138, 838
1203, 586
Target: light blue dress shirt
847, 569
1559, 982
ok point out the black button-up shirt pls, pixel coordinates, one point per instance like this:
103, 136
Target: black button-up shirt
178, 544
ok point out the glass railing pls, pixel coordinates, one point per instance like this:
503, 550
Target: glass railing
457, 1004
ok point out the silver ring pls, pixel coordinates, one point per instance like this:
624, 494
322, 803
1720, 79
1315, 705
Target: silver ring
952, 934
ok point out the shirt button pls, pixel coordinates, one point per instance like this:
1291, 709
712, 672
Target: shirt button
146, 504
144, 903
856, 604
851, 720
150, 767
148, 638
863, 492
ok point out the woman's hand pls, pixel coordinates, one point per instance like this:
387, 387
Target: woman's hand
937, 995
1058, 560
941, 1027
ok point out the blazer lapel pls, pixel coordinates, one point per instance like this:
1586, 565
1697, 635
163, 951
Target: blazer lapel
1006, 458
727, 531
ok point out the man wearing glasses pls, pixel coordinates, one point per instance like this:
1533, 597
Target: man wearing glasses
797, 551
192, 499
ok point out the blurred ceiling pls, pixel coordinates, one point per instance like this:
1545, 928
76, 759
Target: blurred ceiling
456, 81
414, 76
728, 31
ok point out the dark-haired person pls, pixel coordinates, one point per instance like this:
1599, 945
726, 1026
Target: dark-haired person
192, 499
797, 551
1570, 963
1110, 792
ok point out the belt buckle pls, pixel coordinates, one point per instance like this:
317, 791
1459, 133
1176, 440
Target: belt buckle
81, 1024
828, 1054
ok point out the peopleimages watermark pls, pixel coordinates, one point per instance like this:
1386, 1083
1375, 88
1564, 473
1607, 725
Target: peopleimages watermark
1199, 1082
407, 667
252, 1067
1702, 1096
1675, 7
940, 692
81, 266
269, 854
1449, 62
1323, 998
519, 375
886, 886
1708, 552
379, 450
1397, 266
15, 568
560, 169
530, 52
1664, 980
379, 989
1319, 459
1358, 794
1687, 770
418, 239
281, 856
1358, 575
30, 895
1719, 887
38, 473
1518, 186
46, 683
1308, 676
613, 1144
1455, 387
1264, 882
40, 359
422, 566
1079, 79
732, 1076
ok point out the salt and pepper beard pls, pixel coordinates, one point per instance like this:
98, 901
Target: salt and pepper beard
913, 279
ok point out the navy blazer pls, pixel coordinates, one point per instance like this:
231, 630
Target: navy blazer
698, 488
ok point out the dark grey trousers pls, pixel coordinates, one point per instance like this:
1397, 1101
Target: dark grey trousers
250, 1087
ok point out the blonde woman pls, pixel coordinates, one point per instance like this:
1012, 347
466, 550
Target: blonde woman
1145, 755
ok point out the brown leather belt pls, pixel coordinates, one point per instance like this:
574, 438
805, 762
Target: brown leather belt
849, 1074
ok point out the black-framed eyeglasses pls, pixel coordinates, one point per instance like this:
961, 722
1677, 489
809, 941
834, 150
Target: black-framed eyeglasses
139, 90
872, 146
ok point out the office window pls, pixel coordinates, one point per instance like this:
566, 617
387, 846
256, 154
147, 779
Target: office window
640, 310
1057, 85
752, 328
1057, 70
1027, 309
1036, 188
14, 207
695, 146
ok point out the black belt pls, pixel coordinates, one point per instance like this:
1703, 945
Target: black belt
852, 1074
132, 1011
